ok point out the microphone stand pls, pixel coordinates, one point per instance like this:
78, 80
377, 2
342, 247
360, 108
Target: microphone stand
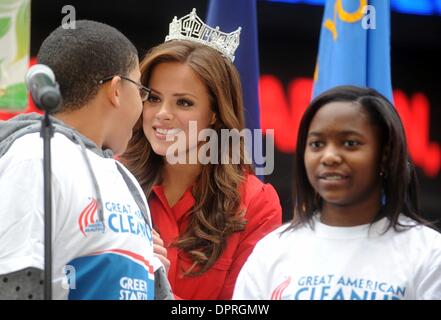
49, 100
46, 133
46, 95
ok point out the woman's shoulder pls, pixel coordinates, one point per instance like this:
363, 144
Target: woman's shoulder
418, 234
282, 234
254, 189
418, 227
261, 203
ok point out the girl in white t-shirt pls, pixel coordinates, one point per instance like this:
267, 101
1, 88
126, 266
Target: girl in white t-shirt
356, 232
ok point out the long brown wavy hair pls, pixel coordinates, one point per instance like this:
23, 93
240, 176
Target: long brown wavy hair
217, 213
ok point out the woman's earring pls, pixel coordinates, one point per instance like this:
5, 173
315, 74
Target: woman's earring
213, 119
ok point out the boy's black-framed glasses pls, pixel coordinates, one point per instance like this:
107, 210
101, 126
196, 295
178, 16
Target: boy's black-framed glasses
144, 92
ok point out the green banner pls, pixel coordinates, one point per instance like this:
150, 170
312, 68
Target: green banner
15, 41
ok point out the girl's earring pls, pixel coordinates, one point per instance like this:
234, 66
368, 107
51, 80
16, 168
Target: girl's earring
383, 198
383, 194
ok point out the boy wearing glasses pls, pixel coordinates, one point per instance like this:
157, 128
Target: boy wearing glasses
101, 228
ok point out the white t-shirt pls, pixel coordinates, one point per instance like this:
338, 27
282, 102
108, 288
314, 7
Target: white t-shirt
351, 263
92, 259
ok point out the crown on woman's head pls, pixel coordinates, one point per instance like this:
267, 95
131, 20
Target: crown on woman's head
191, 27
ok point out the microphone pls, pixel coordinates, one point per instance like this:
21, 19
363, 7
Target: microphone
45, 91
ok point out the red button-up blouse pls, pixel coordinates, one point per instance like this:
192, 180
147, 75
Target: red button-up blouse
263, 214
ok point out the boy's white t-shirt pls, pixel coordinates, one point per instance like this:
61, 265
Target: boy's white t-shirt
92, 259
350, 263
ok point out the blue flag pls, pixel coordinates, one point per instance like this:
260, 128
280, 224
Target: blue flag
355, 46
229, 15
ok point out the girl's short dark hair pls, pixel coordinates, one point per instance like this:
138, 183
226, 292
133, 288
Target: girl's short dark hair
400, 180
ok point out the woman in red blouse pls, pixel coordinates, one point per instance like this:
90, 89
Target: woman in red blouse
209, 215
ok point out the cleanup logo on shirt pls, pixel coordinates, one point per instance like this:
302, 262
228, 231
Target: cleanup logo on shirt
278, 292
114, 274
128, 219
120, 218
88, 221
337, 287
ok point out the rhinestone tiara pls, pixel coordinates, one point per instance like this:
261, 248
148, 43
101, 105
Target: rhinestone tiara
192, 28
